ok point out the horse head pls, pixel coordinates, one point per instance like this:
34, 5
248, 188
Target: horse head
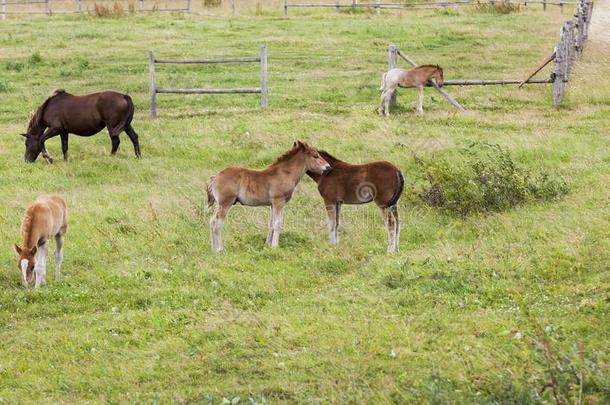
438, 76
32, 147
313, 161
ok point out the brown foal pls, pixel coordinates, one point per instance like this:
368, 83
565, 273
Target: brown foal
416, 77
47, 217
273, 186
381, 182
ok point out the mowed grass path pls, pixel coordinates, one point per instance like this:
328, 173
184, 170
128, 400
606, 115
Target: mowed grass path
464, 313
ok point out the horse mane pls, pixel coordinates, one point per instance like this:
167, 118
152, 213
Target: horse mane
287, 155
26, 227
327, 156
428, 66
37, 116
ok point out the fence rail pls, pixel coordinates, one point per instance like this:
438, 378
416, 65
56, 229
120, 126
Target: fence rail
262, 90
378, 5
78, 7
572, 37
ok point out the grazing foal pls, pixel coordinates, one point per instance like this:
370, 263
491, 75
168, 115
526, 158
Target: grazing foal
45, 218
416, 77
381, 182
273, 186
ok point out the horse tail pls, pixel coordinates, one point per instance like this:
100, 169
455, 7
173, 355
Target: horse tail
128, 116
400, 184
211, 199
382, 88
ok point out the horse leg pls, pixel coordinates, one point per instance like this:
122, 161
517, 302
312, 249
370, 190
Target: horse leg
49, 133
64, 145
278, 218
394, 212
338, 216
59, 254
134, 139
332, 222
115, 143
270, 229
420, 99
40, 269
388, 220
216, 226
388, 98
381, 109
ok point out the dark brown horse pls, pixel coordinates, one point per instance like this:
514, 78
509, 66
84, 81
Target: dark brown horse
62, 113
381, 182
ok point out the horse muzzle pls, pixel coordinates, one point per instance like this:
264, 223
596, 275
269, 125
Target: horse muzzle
327, 169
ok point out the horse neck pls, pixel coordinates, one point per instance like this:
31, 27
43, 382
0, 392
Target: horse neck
36, 126
294, 166
30, 238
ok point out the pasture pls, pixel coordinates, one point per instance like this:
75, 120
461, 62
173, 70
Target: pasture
508, 306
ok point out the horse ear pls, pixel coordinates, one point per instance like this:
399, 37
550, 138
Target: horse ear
24, 135
33, 250
17, 249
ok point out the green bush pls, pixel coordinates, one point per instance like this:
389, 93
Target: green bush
500, 7
483, 177
212, 3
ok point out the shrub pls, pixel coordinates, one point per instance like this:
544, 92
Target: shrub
35, 59
100, 10
501, 7
483, 177
212, 3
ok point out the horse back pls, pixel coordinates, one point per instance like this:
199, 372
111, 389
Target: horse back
88, 114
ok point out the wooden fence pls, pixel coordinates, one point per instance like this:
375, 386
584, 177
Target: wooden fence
262, 90
378, 5
572, 37
81, 6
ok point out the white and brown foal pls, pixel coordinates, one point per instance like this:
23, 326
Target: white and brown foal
416, 77
272, 186
47, 217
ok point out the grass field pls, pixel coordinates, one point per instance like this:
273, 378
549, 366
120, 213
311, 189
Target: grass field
504, 307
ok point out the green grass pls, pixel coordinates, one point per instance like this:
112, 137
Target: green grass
481, 309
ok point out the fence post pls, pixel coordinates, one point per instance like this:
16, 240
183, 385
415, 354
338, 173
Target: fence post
264, 84
285, 7
233, 7
580, 28
141, 5
189, 6
353, 4
559, 72
392, 61
337, 6
570, 47
46, 7
544, 5
561, 6
378, 7
3, 9
79, 4
152, 85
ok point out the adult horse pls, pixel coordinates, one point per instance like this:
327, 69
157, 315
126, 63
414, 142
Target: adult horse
63, 113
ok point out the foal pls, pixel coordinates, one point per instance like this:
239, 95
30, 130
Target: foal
273, 186
45, 218
416, 77
381, 182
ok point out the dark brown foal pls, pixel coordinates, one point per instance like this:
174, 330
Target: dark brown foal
381, 182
